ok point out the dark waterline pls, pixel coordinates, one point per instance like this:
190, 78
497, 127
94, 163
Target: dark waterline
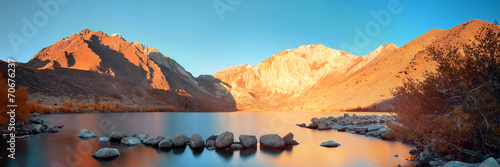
65, 149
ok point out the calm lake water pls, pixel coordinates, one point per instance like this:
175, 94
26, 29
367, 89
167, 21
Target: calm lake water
66, 149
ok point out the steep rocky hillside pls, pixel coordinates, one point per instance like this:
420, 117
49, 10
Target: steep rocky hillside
91, 63
315, 77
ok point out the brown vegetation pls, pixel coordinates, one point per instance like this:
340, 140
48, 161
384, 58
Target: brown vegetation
456, 109
22, 110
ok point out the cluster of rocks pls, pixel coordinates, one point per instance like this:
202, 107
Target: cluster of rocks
369, 125
223, 141
426, 157
34, 125
489, 162
37, 125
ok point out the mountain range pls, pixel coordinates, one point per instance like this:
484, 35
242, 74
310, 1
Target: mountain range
310, 77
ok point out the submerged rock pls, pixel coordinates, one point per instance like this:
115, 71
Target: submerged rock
288, 138
117, 136
236, 146
248, 140
103, 139
143, 137
329, 144
157, 140
84, 133
149, 141
106, 153
272, 141
210, 144
166, 143
224, 140
130, 141
180, 140
196, 141
312, 126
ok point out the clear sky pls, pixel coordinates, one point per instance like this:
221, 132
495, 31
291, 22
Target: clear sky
206, 36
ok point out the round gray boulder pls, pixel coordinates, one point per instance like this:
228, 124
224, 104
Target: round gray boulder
196, 141
166, 143
106, 153
224, 140
84, 133
180, 140
117, 136
103, 139
143, 137
288, 138
330, 144
149, 141
273, 141
248, 140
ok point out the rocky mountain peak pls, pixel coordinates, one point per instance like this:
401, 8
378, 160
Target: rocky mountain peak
119, 36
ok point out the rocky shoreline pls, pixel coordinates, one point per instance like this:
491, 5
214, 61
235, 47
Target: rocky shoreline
222, 142
33, 125
369, 125
375, 126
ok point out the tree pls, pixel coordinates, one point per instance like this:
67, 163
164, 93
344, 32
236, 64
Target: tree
96, 99
23, 109
457, 107
495, 22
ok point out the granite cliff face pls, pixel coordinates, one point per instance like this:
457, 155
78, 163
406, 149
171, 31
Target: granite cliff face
290, 73
154, 77
314, 77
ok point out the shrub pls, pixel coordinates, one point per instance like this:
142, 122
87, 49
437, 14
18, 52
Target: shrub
457, 108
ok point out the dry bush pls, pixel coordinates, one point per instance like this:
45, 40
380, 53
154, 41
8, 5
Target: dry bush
457, 108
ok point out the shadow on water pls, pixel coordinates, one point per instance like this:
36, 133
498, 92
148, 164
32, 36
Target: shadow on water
227, 154
175, 150
165, 149
289, 148
179, 150
106, 161
247, 153
197, 151
271, 151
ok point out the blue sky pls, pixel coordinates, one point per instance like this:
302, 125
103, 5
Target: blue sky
206, 36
